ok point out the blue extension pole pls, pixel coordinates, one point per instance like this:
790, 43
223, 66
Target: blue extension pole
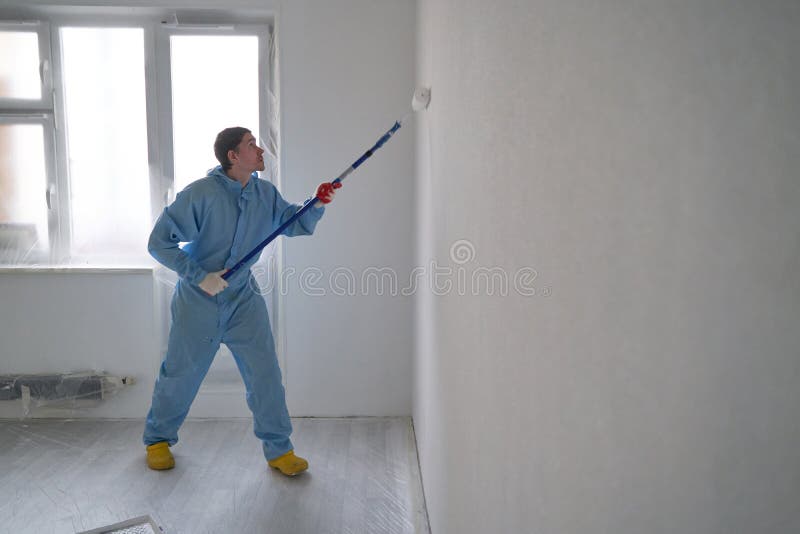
307, 206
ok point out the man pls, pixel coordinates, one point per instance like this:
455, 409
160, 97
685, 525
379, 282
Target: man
221, 218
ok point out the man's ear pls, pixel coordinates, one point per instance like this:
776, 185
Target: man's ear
232, 155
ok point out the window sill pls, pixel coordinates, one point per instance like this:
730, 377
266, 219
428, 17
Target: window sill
76, 269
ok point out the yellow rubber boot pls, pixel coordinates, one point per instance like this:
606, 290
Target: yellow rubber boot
289, 464
159, 457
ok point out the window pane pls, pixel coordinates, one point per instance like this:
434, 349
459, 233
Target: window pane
23, 182
19, 65
107, 133
205, 101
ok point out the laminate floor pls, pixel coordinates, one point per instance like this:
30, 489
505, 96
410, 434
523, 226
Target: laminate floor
66, 476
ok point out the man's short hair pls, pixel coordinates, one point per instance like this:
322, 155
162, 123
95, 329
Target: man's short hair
228, 139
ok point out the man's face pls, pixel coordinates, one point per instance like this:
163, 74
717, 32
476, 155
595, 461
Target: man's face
248, 156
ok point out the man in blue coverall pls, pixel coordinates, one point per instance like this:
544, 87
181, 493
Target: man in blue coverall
221, 218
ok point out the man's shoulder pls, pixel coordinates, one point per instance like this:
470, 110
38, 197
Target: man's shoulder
202, 192
207, 184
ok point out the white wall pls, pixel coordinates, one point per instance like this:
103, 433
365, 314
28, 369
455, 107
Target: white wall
64, 322
643, 157
346, 75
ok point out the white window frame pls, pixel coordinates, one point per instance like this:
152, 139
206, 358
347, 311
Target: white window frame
45, 102
63, 250
14, 111
164, 75
45, 120
158, 25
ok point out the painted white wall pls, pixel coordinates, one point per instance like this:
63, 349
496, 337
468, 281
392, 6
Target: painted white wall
643, 157
62, 322
346, 75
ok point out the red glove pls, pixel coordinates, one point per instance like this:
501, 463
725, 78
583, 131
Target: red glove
326, 191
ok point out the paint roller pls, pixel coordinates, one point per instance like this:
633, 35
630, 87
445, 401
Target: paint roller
419, 102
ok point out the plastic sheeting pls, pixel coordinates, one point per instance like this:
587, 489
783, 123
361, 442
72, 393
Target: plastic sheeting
78, 475
137, 525
99, 222
69, 391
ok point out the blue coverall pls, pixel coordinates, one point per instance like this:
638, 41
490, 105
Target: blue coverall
221, 221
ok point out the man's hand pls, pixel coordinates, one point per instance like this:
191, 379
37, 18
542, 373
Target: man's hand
326, 191
213, 283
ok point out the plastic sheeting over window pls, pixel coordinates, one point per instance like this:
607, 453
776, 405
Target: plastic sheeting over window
23, 189
19, 68
92, 201
104, 96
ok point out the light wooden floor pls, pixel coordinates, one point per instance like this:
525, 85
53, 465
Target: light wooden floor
70, 476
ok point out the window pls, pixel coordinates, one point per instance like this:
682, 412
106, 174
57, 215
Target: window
23, 188
26, 142
19, 70
106, 128
98, 135
201, 109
